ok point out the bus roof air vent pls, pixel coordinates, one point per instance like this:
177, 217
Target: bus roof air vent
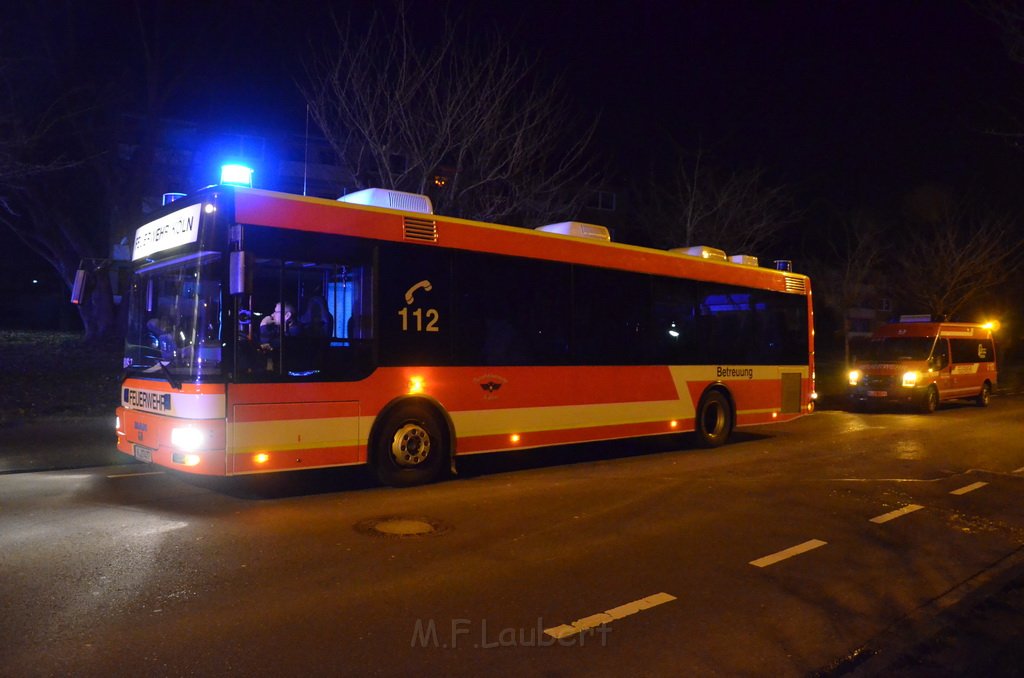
796, 284
702, 251
578, 229
395, 200
417, 228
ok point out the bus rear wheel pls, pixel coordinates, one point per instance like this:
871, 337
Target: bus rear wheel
410, 447
985, 396
714, 419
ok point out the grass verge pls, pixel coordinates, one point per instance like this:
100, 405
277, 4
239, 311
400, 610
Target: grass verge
56, 374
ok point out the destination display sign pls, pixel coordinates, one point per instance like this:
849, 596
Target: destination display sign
177, 228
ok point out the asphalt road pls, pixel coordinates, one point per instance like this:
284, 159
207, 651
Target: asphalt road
840, 543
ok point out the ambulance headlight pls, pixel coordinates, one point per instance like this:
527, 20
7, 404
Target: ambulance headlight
911, 378
854, 377
187, 438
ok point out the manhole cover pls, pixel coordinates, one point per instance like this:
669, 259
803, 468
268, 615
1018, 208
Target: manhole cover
400, 526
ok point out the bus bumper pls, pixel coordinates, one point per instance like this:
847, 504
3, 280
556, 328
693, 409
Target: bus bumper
191, 446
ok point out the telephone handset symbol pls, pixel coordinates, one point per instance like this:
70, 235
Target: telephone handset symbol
421, 285
418, 319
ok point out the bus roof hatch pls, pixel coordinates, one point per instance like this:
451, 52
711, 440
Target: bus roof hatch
395, 200
578, 229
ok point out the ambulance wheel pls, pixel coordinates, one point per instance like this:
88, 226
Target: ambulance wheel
409, 446
985, 396
930, 401
714, 419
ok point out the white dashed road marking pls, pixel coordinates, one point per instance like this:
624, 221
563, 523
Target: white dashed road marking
133, 475
595, 620
969, 488
809, 545
892, 515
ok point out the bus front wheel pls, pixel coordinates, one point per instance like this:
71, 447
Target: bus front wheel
410, 446
714, 419
930, 400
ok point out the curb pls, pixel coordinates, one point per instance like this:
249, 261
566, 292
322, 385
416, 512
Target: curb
52, 443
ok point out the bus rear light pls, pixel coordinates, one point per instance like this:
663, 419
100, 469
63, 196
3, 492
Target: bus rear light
186, 459
515, 438
673, 424
261, 458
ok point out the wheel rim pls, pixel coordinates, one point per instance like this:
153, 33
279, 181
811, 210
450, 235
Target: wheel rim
933, 400
410, 445
713, 419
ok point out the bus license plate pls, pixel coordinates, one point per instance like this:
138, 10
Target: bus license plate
143, 453
878, 394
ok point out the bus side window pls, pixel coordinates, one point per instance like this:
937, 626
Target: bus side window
315, 320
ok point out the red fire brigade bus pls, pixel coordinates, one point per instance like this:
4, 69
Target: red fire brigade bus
920, 362
270, 332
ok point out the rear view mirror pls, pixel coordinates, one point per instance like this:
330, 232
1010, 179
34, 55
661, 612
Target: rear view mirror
78, 288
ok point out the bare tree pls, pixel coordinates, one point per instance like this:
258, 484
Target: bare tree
28, 162
1009, 16
953, 260
467, 121
66, 106
18, 139
740, 212
848, 270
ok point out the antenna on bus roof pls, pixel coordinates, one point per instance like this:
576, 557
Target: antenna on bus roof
305, 154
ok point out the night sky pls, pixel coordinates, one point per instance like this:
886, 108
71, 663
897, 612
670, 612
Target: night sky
858, 98
854, 103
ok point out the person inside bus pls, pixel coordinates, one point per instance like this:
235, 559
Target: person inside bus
160, 338
278, 324
316, 320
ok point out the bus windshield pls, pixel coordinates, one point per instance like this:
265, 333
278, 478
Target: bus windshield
174, 319
893, 349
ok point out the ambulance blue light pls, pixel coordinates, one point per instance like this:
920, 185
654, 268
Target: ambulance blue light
236, 175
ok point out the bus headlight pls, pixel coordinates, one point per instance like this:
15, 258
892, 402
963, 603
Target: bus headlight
854, 377
911, 378
187, 439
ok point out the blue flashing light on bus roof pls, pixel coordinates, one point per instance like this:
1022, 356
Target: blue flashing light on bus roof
236, 175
